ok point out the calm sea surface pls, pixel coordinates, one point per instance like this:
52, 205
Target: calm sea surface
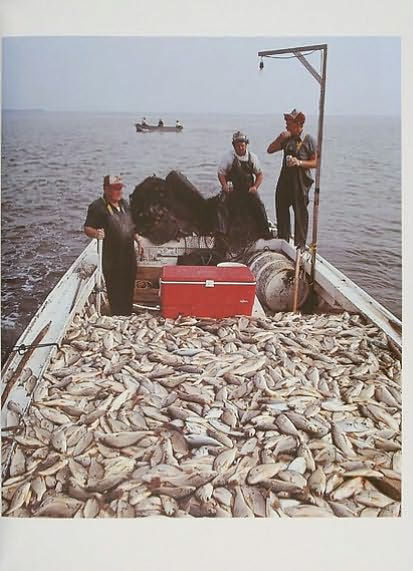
53, 164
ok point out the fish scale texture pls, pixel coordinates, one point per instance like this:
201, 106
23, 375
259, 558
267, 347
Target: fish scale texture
284, 416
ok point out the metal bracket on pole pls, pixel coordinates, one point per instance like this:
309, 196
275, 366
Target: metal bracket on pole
308, 66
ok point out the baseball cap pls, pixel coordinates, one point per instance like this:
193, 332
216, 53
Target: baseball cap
110, 180
238, 136
296, 116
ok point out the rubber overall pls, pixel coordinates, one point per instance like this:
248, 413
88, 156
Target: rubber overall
119, 258
240, 200
292, 189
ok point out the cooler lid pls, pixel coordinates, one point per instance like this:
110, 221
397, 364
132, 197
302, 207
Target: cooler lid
200, 274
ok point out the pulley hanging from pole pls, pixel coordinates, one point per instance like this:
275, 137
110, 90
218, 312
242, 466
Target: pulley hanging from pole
321, 79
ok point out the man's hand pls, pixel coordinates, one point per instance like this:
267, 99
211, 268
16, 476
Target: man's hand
294, 162
141, 251
278, 143
100, 234
253, 189
285, 135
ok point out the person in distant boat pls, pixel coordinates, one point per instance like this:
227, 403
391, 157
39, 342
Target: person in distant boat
240, 176
295, 179
109, 219
160, 123
178, 124
144, 121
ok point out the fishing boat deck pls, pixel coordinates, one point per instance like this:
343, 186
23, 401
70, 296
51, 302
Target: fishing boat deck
292, 415
277, 415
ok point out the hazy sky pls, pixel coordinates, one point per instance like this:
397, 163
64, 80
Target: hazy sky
197, 74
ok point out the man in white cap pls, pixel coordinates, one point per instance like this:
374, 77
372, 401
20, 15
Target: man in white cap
240, 167
295, 178
109, 219
240, 175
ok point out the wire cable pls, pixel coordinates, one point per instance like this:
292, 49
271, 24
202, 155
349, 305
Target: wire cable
289, 57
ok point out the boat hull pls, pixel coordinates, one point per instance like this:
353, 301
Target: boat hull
165, 129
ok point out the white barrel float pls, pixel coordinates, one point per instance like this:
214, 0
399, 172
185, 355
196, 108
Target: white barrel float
274, 274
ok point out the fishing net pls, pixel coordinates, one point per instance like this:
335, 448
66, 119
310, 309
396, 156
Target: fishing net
165, 210
153, 211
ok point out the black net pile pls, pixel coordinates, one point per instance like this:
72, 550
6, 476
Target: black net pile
165, 210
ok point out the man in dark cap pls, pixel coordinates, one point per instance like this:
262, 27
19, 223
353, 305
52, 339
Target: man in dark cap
240, 175
108, 219
295, 179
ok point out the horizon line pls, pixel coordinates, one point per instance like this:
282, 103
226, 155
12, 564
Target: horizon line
42, 110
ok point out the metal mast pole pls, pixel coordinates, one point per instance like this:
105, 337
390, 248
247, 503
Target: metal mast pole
318, 168
321, 79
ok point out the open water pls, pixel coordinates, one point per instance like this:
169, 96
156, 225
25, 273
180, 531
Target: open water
53, 165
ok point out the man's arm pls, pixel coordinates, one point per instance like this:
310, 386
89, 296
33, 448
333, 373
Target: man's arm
223, 169
93, 227
257, 183
139, 244
91, 232
278, 143
223, 181
310, 163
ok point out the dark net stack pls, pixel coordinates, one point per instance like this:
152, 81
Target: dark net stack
165, 210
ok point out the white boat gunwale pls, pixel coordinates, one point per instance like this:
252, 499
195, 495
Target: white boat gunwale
60, 306
348, 295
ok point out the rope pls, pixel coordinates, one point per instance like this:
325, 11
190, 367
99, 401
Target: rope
143, 284
312, 248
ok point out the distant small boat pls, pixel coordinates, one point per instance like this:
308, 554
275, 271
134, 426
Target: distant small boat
141, 128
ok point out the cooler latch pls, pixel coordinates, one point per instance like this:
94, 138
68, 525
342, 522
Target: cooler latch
209, 283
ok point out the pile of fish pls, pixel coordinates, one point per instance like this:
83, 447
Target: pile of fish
283, 416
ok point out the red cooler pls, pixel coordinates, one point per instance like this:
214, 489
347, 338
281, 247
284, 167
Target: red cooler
207, 291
